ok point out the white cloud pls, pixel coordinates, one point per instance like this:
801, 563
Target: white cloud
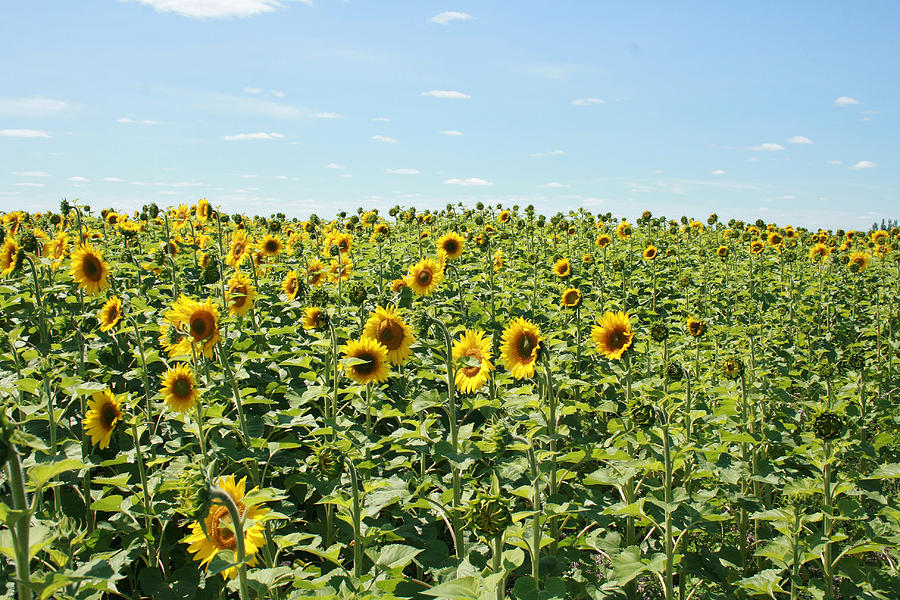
32, 174
30, 184
252, 90
448, 94
556, 152
471, 181
326, 115
799, 139
718, 172
113, 179
864, 164
215, 9
451, 132
335, 166
835, 162
554, 184
845, 101
586, 101
448, 16
34, 107
768, 146
126, 120
380, 119
24, 133
78, 179
259, 135
402, 171
384, 138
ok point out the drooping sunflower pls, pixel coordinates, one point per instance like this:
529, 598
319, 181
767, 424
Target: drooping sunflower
387, 327
290, 285
603, 240
219, 532
424, 276
238, 251
520, 346
696, 327
179, 389
198, 321
562, 268
859, 261
650, 252
9, 256
452, 244
314, 318
570, 298
241, 294
624, 230
88, 269
102, 415
315, 272
110, 313
374, 354
613, 335
271, 245
472, 347
819, 252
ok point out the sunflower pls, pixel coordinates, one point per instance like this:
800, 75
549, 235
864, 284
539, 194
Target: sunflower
756, 246
624, 230
696, 327
241, 294
650, 252
562, 268
199, 320
382, 229
613, 335
343, 242
314, 318
587, 259
375, 356
570, 298
102, 415
110, 313
237, 252
498, 259
89, 270
387, 327
503, 217
880, 237
819, 252
775, 239
9, 257
452, 244
519, 348
475, 350
603, 240
315, 272
291, 285
859, 261
219, 534
398, 285
341, 269
424, 276
179, 389
271, 245
722, 252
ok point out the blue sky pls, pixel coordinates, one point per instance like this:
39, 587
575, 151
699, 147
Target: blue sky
785, 111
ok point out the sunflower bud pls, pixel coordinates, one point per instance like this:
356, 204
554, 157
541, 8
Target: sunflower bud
828, 426
732, 368
329, 462
674, 371
357, 294
856, 360
618, 265
194, 500
659, 332
825, 368
643, 415
497, 437
489, 515
210, 273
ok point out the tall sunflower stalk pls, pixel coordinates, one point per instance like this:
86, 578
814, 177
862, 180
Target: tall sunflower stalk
21, 528
550, 399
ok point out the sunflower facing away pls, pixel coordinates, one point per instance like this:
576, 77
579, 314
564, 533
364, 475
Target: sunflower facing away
199, 321
519, 347
179, 389
424, 276
375, 356
290, 285
88, 269
570, 298
241, 294
475, 350
314, 318
110, 313
452, 244
102, 415
386, 326
220, 533
613, 335
562, 268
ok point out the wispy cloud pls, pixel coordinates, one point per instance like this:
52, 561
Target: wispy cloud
845, 101
383, 138
113, 179
448, 16
217, 9
556, 152
864, 164
554, 185
127, 121
259, 135
718, 172
402, 171
30, 184
31, 174
380, 120
799, 139
448, 94
586, 101
470, 182
835, 162
768, 147
451, 132
24, 133
278, 94
34, 107
335, 166
252, 90
78, 179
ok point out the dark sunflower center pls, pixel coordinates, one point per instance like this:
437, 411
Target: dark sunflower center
616, 340
202, 324
271, 246
112, 313
424, 277
182, 388
366, 368
651, 252
238, 249
526, 344
240, 296
93, 270
390, 333
108, 415
343, 245
292, 286
571, 297
451, 246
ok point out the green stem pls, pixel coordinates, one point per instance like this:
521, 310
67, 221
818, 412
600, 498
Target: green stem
20, 531
827, 523
51, 417
670, 545
357, 522
142, 471
222, 497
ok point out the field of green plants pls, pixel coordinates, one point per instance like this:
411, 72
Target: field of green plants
471, 403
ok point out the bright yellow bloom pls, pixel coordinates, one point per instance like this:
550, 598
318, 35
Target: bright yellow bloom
241, 294
197, 322
624, 230
562, 268
374, 354
110, 313
819, 252
473, 348
452, 244
179, 389
271, 245
315, 272
88, 269
387, 327
613, 335
9, 256
424, 276
290, 285
314, 318
102, 415
519, 347
860, 260
570, 298
240, 246
650, 252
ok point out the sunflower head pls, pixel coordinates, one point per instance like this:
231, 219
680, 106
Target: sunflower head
732, 368
292, 286
650, 252
489, 515
828, 426
472, 351
696, 327
520, 347
387, 327
612, 335
603, 240
624, 230
179, 389
89, 270
674, 371
425, 276
197, 321
315, 318
11, 257
722, 252
110, 314
370, 364
104, 411
659, 332
756, 246
241, 294
452, 244
859, 261
329, 462
643, 415
271, 245
357, 294
570, 298
562, 268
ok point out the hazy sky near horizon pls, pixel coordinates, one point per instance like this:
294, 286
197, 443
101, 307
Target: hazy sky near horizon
784, 111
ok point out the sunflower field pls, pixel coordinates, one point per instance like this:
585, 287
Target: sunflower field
471, 403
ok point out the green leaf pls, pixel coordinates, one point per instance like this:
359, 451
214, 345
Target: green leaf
764, 583
109, 503
465, 588
395, 556
41, 474
889, 471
